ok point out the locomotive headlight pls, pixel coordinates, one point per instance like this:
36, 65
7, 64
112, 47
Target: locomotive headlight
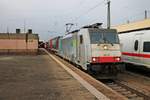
94, 59
118, 58
105, 47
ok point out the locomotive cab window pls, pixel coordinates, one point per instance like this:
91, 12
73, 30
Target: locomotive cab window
81, 39
146, 47
136, 45
107, 37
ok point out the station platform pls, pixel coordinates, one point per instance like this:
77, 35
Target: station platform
38, 78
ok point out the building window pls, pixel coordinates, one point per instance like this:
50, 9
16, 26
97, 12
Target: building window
81, 39
136, 45
146, 47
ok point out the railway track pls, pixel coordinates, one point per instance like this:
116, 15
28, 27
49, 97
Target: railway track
126, 90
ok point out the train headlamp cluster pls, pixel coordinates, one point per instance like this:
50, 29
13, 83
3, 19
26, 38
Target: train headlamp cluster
105, 47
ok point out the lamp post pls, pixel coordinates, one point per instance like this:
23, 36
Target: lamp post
108, 14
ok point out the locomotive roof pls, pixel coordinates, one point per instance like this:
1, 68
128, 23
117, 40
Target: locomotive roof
67, 36
102, 30
96, 25
73, 31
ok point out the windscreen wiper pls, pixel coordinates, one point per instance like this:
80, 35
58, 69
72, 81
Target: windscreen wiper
107, 41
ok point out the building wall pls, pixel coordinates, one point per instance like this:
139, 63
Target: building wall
18, 44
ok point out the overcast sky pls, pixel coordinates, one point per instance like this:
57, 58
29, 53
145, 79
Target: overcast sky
48, 17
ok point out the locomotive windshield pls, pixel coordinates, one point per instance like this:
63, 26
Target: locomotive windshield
97, 38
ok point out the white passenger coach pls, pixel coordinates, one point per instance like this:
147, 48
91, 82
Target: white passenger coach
135, 42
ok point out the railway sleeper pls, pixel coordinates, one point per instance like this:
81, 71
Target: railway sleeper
137, 98
126, 92
122, 90
131, 95
117, 87
112, 85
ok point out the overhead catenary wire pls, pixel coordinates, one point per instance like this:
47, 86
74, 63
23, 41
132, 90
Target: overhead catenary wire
74, 20
104, 2
90, 9
70, 11
97, 5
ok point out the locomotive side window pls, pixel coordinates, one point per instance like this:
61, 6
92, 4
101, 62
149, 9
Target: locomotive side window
146, 47
136, 45
81, 39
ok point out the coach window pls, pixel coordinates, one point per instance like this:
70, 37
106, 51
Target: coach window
146, 47
136, 45
81, 39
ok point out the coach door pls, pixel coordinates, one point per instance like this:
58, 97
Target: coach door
137, 48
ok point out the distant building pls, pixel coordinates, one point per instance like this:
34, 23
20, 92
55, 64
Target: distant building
134, 26
18, 43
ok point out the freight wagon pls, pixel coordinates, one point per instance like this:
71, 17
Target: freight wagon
54, 44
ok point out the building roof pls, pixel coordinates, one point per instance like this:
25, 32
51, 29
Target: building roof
139, 25
18, 36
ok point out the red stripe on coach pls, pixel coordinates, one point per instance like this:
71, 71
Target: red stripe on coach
136, 54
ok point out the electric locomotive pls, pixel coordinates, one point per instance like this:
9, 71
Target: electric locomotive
94, 49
